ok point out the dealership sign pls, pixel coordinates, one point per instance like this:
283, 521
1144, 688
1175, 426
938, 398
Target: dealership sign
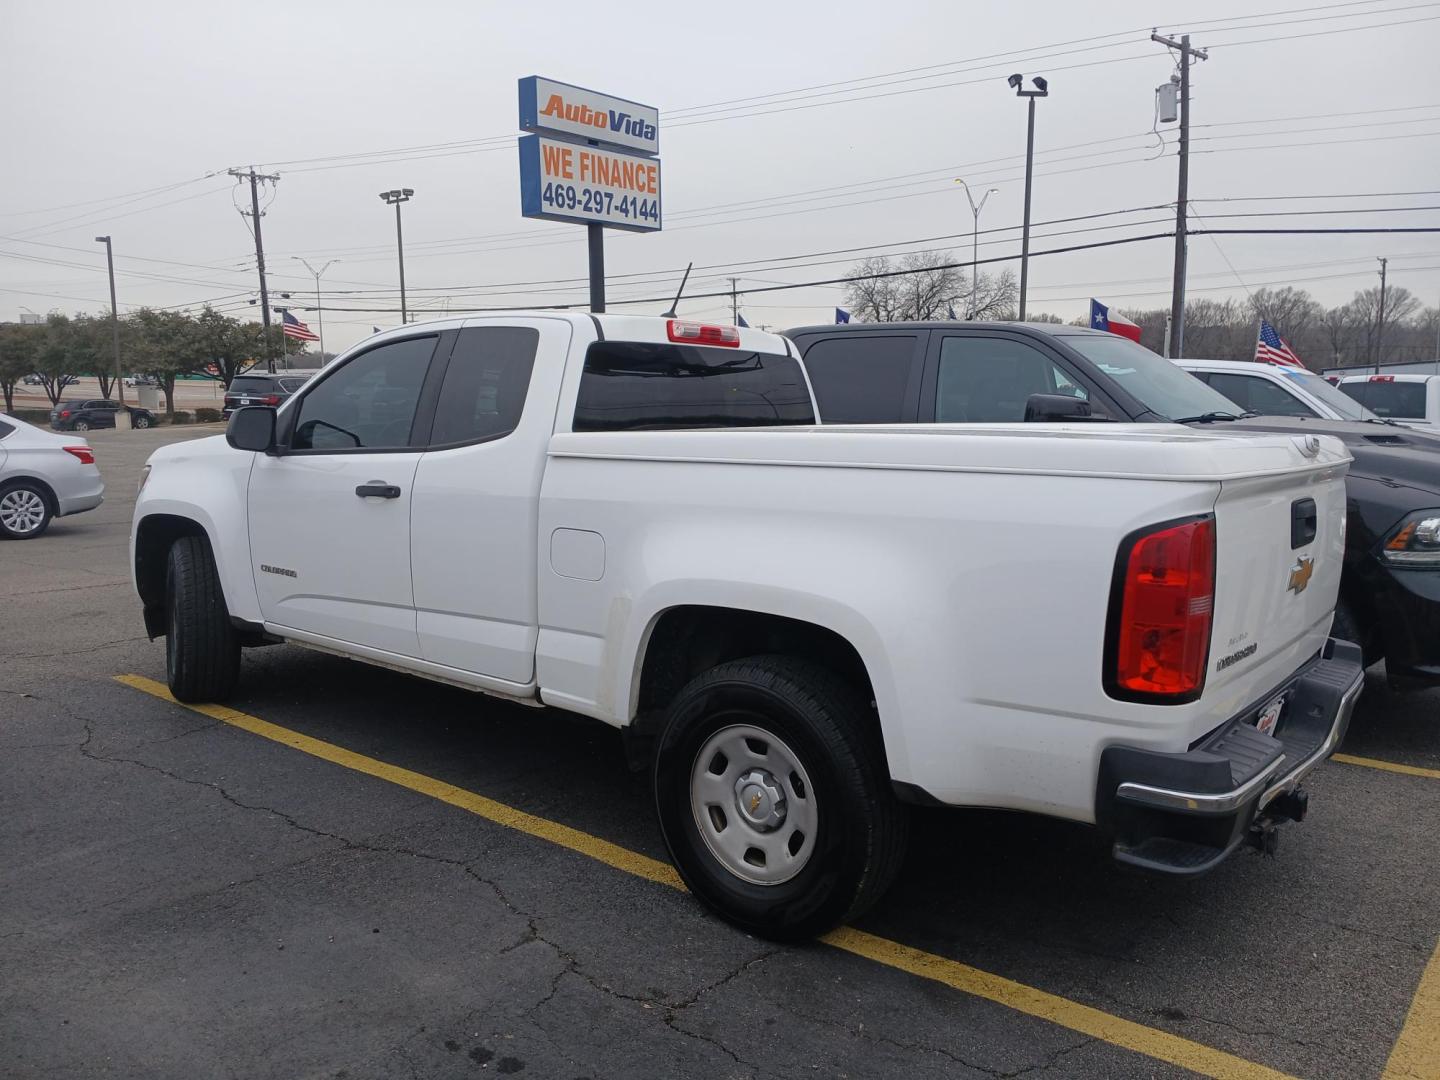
564, 181
579, 115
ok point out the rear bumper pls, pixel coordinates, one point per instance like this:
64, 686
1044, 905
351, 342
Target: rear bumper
1185, 813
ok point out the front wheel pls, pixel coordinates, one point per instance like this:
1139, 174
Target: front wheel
774, 797
202, 653
140, 423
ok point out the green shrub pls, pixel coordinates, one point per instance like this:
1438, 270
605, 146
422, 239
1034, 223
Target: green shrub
34, 416
207, 416
183, 418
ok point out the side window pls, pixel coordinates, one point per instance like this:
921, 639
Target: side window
630, 386
485, 385
985, 380
1259, 395
5, 429
861, 378
369, 404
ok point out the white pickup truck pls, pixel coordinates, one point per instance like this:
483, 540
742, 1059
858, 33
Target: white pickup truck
802, 629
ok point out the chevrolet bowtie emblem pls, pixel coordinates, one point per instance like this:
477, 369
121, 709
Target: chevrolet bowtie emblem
1300, 574
754, 801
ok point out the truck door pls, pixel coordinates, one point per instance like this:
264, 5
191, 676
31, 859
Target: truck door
986, 377
330, 516
477, 491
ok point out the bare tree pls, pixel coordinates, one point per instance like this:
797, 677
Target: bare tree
926, 285
1400, 304
1289, 310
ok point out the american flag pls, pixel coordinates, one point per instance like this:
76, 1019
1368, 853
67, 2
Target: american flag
1271, 348
294, 328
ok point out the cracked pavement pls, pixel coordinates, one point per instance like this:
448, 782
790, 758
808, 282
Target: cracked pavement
181, 899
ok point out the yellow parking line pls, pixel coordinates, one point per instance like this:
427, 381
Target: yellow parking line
1388, 766
1417, 1052
1116, 1030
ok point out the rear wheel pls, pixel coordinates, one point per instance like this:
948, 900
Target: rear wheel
82, 425
24, 510
202, 653
140, 422
774, 798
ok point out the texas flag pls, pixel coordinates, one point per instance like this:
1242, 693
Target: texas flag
1101, 319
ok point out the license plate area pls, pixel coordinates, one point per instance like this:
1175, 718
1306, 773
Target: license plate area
1268, 718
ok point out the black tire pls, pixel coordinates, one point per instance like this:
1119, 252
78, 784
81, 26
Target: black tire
81, 425
25, 510
202, 653
1347, 628
859, 839
140, 423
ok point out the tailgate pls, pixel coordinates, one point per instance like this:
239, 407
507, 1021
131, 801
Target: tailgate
1276, 584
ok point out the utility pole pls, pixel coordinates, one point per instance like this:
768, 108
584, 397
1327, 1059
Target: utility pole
1380, 331
319, 311
1042, 89
395, 197
255, 179
734, 302
1177, 298
114, 317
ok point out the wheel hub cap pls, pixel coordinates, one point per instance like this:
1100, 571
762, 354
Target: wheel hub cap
760, 800
22, 511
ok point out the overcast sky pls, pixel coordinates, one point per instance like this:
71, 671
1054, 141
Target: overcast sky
105, 100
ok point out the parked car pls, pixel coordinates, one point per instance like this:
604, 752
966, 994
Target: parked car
1275, 390
799, 628
142, 380
1008, 372
261, 388
32, 380
1413, 400
64, 380
96, 413
43, 476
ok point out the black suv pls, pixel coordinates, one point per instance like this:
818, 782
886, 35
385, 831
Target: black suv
1016, 372
262, 388
98, 413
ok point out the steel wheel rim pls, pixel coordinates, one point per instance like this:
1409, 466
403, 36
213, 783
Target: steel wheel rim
754, 804
22, 511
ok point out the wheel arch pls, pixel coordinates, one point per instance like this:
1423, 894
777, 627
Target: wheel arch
682, 640
45, 489
155, 534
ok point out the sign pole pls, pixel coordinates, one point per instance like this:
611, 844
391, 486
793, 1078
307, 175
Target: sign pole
596, 235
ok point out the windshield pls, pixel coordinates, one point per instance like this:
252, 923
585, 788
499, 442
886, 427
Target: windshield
1344, 406
1152, 380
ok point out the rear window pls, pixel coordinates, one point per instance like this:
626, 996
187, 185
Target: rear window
1402, 399
5, 429
631, 386
251, 384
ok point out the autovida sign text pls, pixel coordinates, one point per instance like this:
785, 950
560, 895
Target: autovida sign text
591, 157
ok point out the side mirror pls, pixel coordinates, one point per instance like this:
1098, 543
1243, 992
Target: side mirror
1045, 409
252, 428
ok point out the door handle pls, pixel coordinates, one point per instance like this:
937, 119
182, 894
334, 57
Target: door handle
378, 489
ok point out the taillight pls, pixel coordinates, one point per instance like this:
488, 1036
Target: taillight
1163, 603
84, 453
64, 413
692, 333
271, 399
1382, 378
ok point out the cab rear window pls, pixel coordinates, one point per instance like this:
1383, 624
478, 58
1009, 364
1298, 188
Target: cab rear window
1402, 399
631, 386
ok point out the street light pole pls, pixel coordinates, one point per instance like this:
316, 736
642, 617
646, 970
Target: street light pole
975, 242
1042, 89
395, 197
319, 311
114, 316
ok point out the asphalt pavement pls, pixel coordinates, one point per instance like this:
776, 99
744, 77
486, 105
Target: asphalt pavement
197, 895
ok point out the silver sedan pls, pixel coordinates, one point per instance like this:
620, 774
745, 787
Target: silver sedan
43, 476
